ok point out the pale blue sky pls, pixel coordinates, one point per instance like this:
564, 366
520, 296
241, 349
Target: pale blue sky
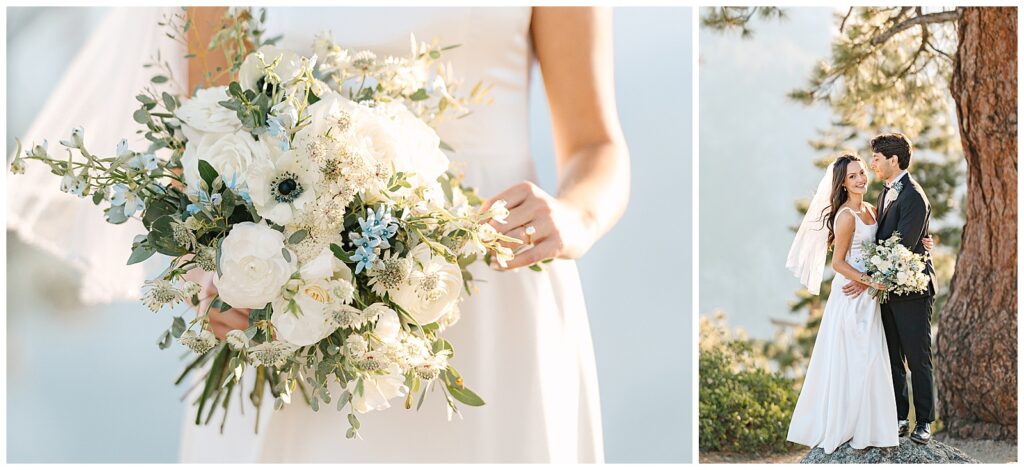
61, 408
755, 162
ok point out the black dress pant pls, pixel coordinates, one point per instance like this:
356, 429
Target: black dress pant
908, 336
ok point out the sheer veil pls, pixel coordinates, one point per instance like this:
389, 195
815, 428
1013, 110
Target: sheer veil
98, 93
807, 255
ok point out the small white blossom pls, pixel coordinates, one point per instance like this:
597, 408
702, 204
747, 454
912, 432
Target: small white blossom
271, 354
237, 340
199, 343
356, 346
75, 141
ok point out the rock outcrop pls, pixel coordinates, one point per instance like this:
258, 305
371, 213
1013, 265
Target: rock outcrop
907, 452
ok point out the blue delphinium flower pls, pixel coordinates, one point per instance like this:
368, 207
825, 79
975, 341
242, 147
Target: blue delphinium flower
379, 225
195, 208
365, 242
363, 258
276, 129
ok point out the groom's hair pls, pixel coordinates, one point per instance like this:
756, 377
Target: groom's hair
894, 144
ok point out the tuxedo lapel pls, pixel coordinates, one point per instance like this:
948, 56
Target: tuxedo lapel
879, 204
884, 211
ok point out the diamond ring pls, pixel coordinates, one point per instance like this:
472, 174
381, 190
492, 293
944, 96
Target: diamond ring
530, 231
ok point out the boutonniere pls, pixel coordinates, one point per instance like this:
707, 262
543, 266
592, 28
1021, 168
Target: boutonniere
894, 192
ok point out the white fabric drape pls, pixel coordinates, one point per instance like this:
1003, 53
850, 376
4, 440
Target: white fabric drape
806, 257
97, 92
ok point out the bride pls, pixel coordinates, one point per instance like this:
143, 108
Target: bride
524, 337
847, 395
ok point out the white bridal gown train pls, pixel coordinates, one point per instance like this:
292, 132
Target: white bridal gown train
847, 393
523, 343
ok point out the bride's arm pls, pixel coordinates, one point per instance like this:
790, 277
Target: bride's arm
844, 228
205, 21
574, 49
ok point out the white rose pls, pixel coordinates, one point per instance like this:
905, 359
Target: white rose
253, 269
901, 278
433, 288
356, 346
314, 300
203, 114
309, 321
252, 71
876, 260
230, 154
378, 390
325, 266
388, 325
393, 135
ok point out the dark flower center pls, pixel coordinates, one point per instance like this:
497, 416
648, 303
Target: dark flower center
286, 188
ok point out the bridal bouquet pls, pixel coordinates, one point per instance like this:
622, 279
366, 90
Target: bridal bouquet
893, 265
315, 193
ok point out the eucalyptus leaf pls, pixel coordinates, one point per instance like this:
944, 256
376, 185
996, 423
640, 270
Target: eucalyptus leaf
141, 116
297, 237
161, 236
169, 102
419, 95
207, 173
164, 341
465, 395
141, 253
157, 208
115, 215
177, 327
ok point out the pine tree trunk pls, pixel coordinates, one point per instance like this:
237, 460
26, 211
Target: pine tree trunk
976, 351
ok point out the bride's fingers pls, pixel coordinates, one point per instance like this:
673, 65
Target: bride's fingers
517, 216
513, 196
542, 229
544, 250
223, 322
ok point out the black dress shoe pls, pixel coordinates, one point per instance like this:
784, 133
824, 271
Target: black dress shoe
904, 425
922, 433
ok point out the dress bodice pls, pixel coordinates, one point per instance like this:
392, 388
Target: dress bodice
863, 233
491, 145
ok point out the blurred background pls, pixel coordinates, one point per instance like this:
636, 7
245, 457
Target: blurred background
88, 384
782, 91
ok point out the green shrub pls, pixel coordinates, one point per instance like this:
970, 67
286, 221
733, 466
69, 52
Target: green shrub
744, 407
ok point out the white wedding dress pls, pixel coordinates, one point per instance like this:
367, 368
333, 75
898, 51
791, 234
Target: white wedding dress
523, 343
847, 393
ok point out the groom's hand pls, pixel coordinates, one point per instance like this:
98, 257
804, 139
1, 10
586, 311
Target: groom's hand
853, 288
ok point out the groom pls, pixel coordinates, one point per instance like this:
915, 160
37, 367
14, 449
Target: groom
904, 208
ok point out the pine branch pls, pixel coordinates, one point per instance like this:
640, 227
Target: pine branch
942, 17
842, 25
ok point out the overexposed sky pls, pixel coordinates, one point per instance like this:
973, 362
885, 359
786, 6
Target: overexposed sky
755, 162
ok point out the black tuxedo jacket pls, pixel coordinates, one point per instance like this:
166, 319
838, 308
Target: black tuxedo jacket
908, 215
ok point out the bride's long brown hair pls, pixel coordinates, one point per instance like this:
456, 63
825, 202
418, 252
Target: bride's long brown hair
839, 195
